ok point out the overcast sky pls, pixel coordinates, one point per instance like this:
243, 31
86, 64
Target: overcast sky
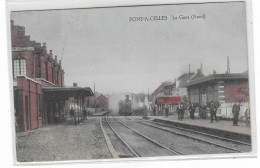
122, 56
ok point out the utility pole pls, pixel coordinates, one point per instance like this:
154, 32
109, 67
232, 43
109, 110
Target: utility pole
189, 72
148, 101
94, 97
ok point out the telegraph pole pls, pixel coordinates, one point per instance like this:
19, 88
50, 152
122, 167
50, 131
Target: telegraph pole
148, 101
189, 72
94, 97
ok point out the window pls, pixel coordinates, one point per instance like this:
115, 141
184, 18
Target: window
52, 75
61, 80
40, 71
46, 70
58, 77
19, 67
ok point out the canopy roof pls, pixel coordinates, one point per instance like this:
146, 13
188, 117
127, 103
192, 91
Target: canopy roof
66, 92
217, 77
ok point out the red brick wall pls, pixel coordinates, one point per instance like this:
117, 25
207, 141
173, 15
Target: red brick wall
102, 101
35, 60
35, 113
236, 91
29, 112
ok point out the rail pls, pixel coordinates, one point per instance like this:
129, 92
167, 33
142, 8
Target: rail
118, 136
149, 139
193, 137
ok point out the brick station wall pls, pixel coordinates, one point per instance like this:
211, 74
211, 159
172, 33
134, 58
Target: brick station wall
236, 91
29, 103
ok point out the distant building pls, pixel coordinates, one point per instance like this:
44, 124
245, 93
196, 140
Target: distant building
171, 93
102, 102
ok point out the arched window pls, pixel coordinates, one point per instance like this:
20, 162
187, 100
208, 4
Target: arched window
19, 67
57, 78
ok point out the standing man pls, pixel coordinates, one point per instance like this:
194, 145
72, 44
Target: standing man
178, 109
154, 110
72, 114
166, 111
84, 113
247, 116
213, 111
235, 111
182, 111
192, 111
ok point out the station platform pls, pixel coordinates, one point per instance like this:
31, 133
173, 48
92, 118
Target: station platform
224, 125
102, 113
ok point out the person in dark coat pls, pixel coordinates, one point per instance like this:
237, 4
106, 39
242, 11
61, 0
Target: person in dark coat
235, 111
213, 111
182, 111
84, 113
178, 109
72, 114
154, 110
192, 111
166, 111
247, 116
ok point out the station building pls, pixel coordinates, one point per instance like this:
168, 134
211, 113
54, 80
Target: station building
38, 79
223, 89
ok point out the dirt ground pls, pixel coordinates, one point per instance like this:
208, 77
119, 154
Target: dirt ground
64, 141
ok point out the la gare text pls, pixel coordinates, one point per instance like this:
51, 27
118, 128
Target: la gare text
165, 18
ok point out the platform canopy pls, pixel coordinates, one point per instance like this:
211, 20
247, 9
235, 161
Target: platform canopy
67, 92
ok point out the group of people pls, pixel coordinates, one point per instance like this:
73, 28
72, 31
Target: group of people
212, 107
73, 116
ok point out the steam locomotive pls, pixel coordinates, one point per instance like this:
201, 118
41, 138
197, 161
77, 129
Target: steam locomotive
125, 107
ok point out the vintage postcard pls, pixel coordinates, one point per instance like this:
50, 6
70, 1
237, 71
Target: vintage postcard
132, 82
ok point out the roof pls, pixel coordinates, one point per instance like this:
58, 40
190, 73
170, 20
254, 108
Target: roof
101, 96
197, 75
160, 88
217, 77
185, 78
66, 92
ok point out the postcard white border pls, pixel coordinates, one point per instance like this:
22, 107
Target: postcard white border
21, 5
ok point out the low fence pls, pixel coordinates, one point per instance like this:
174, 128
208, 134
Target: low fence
225, 110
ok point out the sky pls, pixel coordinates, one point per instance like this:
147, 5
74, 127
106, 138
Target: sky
103, 45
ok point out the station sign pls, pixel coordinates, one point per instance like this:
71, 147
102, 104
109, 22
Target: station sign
169, 100
23, 49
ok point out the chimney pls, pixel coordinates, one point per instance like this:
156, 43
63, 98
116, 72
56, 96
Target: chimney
55, 59
50, 53
75, 85
214, 72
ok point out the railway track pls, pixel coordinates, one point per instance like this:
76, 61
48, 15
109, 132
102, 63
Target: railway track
119, 137
194, 135
143, 145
